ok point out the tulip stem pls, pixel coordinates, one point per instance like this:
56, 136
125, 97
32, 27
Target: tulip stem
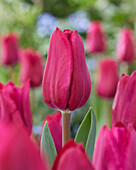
65, 127
108, 103
11, 72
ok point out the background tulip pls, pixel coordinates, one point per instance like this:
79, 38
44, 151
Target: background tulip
115, 149
17, 152
31, 67
55, 126
107, 78
66, 81
125, 49
72, 156
15, 106
124, 105
10, 49
96, 39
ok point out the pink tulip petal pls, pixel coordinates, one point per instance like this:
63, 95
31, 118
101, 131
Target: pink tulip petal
124, 108
81, 83
58, 71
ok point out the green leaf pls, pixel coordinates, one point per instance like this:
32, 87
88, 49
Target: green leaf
87, 132
47, 144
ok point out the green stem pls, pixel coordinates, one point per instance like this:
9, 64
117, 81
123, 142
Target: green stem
65, 126
108, 106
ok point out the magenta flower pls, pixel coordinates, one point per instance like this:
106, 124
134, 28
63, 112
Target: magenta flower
15, 106
124, 105
115, 149
66, 81
72, 156
125, 49
17, 151
96, 39
107, 79
10, 49
31, 67
55, 126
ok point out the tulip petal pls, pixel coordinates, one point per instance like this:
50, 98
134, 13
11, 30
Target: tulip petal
26, 114
124, 108
72, 156
106, 154
81, 78
107, 78
17, 151
58, 71
55, 126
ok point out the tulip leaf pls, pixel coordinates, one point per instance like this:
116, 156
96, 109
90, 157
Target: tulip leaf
47, 144
87, 132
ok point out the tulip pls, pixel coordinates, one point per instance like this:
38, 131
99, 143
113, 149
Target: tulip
15, 106
17, 151
125, 49
66, 81
55, 126
108, 78
31, 67
115, 149
96, 39
124, 105
10, 49
72, 156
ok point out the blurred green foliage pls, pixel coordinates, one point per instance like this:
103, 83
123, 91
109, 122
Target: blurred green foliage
21, 16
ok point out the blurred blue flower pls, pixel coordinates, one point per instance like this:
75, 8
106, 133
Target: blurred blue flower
92, 63
79, 21
46, 24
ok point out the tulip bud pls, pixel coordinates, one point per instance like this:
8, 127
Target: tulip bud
115, 149
124, 105
10, 49
96, 39
17, 151
107, 78
72, 156
125, 49
66, 80
55, 126
31, 67
15, 106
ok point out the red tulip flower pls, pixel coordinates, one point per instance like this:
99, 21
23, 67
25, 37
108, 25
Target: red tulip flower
108, 78
124, 105
96, 39
125, 49
115, 149
17, 151
66, 81
10, 49
55, 126
72, 156
31, 67
15, 106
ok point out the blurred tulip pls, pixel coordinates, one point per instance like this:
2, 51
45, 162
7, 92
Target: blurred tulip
66, 81
55, 126
124, 105
96, 39
10, 49
108, 78
17, 151
15, 106
72, 157
31, 67
115, 149
125, 49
